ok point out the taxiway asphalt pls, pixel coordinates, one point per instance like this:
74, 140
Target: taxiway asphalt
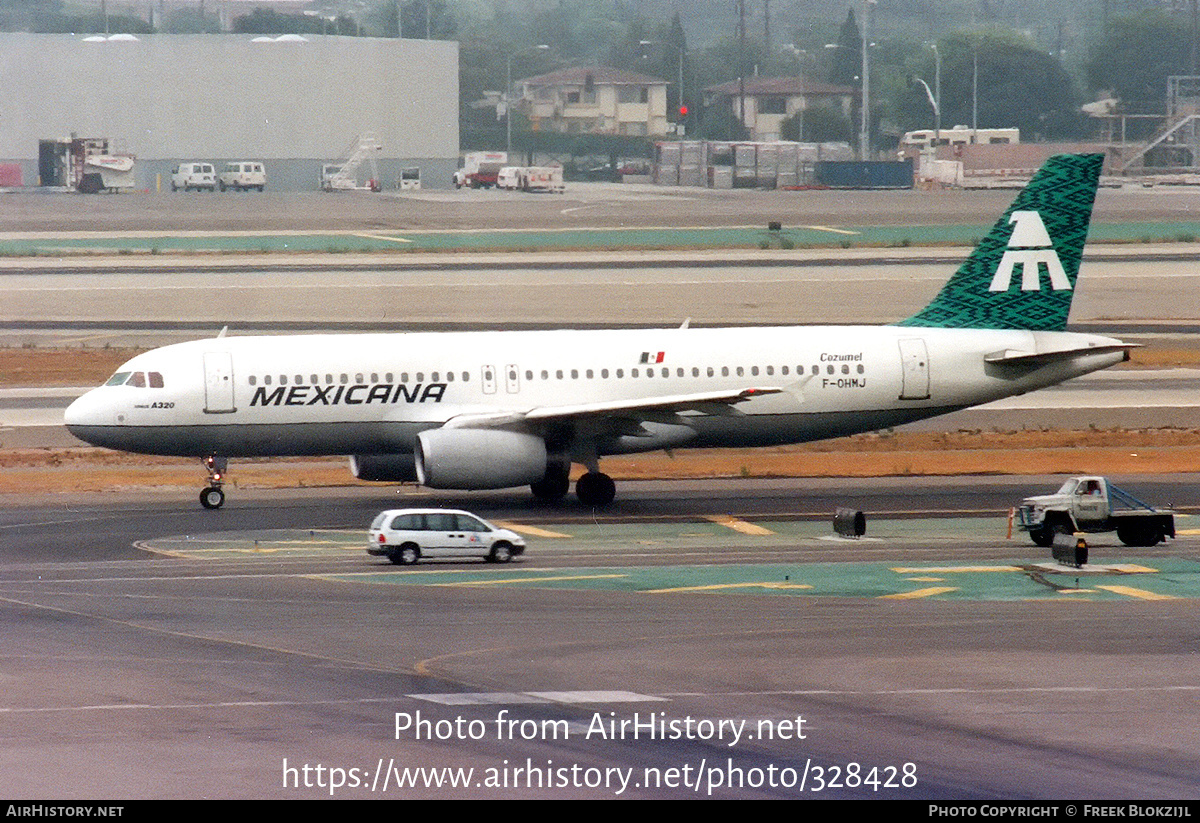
314, 671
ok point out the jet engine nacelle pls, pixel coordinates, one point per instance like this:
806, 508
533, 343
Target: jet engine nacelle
388, 468
479, 458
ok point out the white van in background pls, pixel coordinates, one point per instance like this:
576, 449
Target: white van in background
197, 176
509, 178
531, 178
243, 175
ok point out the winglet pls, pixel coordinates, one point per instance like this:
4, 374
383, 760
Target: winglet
1022, 275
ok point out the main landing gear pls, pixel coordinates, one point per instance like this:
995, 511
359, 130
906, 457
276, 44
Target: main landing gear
555, 484
211, 497
594, 488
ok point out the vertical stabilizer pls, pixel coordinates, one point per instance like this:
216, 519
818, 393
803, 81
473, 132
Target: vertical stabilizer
1022, 275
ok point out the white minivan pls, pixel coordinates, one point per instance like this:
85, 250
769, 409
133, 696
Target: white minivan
404, 536
197, 176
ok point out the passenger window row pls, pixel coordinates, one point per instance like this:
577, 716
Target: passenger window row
361, 378
559, 374
696, 371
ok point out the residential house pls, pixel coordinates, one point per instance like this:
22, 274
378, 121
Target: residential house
594, 100
771, 100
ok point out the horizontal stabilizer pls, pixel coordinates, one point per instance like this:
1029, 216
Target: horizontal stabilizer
1027, 358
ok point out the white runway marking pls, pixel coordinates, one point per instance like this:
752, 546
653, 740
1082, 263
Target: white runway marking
501, 698
518, 698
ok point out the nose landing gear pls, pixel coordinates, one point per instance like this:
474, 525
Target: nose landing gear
212, 497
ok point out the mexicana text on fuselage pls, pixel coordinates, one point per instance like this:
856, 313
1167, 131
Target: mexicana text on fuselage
357, 394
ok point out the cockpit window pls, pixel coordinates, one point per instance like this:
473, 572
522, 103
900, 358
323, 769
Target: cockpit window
137, 379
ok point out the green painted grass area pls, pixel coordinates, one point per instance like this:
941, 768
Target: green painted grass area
592, 239
705, 543
1166, 579
282, 543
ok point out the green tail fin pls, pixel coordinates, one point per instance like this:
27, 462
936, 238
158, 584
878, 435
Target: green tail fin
1022, 275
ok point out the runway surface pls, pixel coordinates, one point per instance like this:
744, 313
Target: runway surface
1118, 285
315, 671
584, 205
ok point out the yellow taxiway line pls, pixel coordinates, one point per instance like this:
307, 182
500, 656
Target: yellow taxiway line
531, 580
913, 595
1140, 594
737, 525
719, 586
532, 531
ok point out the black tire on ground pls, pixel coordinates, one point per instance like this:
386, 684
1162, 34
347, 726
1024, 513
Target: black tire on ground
1044, 536
1139, 535
501, 553
554, 485
595, 489
406, 555
212, 497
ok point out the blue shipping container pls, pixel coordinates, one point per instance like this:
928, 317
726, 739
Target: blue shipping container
854, 174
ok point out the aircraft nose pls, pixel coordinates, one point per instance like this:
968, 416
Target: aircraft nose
84, 412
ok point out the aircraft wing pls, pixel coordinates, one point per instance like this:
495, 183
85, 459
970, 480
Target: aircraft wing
713, 402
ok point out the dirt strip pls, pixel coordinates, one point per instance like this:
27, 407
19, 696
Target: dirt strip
1154, 451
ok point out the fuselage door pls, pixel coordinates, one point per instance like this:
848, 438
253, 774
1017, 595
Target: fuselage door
914, 359
512, 377
489, 379
218, 383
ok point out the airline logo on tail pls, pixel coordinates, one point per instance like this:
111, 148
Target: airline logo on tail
1030, 247
981, 295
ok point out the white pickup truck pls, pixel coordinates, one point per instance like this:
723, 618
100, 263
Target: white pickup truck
1093, 504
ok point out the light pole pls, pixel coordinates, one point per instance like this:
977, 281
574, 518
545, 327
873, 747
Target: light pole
508, 94
935, 97
799, 54
678, 53
864, 135
932, 104
937, 103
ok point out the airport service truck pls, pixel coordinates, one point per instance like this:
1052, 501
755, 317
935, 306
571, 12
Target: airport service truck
1093, 504
531, 178
479, 169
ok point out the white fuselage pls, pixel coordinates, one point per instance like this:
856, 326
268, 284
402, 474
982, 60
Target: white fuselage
373, 393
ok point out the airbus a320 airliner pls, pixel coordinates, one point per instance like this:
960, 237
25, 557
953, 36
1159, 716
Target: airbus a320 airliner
487, 410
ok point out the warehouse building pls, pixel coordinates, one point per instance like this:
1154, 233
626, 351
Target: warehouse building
293, 102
